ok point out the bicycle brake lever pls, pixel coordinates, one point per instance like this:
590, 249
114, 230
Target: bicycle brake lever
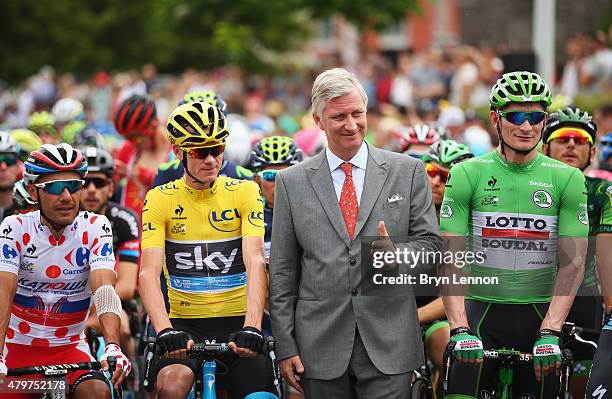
112, 364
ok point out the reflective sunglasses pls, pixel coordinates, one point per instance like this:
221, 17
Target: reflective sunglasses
433, 171
268, 175
99, 182
519, 117
8, 159
203, 153
580, 136
57, 187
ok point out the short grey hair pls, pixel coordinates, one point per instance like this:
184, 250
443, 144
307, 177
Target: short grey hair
333, 83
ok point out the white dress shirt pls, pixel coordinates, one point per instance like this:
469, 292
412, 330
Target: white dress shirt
359, 162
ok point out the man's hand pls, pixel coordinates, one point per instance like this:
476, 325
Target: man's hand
468, 347
174, 344
546, 353
290, 368
123, 364
384, 244
248, 342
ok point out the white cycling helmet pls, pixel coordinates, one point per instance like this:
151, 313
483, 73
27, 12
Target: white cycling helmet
8, 143
68, 110
238, 143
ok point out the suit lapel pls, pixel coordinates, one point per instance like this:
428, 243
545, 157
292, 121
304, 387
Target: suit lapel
377, 171
320, 179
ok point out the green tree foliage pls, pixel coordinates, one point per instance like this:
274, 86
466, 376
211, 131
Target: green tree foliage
83, 36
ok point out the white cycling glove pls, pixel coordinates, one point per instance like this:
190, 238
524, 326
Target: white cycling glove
122, 360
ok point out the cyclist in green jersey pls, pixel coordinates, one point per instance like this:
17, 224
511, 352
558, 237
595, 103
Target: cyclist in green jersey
524, 216
569, 136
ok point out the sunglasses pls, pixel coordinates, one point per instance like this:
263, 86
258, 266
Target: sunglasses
519, 117
580, 136
97, 181
8, 159
433, 171
57, 187
203, 153
268, 175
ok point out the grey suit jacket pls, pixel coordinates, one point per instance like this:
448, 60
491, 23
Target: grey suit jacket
316, 273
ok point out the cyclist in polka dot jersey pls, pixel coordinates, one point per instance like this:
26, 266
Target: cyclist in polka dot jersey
54, 263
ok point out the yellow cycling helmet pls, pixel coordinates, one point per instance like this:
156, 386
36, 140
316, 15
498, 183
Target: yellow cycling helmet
28, 141
197, 125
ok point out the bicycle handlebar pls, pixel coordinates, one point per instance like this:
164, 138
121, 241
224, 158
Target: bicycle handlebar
61, 369
207, 349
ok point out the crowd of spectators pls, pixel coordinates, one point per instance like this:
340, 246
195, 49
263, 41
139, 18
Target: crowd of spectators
447, 87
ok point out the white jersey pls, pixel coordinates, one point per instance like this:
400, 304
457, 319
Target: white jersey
53, 296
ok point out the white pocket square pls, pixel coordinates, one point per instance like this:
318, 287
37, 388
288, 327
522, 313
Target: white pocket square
394, 198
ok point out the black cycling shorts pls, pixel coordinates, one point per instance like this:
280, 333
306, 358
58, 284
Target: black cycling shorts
509, 326
245, 375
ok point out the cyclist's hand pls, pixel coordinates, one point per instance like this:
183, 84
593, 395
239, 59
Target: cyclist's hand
468, 347
174, 344
546, 353
247, 342
123, 364
290, 368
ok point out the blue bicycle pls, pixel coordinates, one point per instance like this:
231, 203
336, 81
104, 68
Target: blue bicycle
204, 385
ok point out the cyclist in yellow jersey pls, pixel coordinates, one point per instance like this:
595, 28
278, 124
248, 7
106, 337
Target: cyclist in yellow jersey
206, 232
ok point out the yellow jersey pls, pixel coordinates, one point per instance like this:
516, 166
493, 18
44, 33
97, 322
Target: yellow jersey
201, 232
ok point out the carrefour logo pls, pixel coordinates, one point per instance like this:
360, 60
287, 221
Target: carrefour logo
256, 219
226, 220
8, 252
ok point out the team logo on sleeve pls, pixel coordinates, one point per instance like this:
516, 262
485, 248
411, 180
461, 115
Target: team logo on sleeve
542, 199
256, 219
583, 217
446, 211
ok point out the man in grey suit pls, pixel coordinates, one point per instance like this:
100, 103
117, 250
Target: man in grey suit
342, 343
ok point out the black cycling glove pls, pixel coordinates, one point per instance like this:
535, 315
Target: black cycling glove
248, 338
170, 340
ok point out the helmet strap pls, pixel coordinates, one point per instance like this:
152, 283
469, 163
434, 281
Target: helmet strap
189, 173
503, 143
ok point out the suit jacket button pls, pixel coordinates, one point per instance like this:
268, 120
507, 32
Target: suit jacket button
353, 261
354, 292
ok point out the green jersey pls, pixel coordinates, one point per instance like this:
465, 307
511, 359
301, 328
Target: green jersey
600, 221
513, 214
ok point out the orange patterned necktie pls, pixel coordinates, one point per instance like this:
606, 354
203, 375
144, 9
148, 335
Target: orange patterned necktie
348, 199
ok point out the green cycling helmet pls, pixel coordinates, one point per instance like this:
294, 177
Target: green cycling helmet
447, 153
569, 116
520, 87
275, 150
205, 96
40, 122
71, 130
